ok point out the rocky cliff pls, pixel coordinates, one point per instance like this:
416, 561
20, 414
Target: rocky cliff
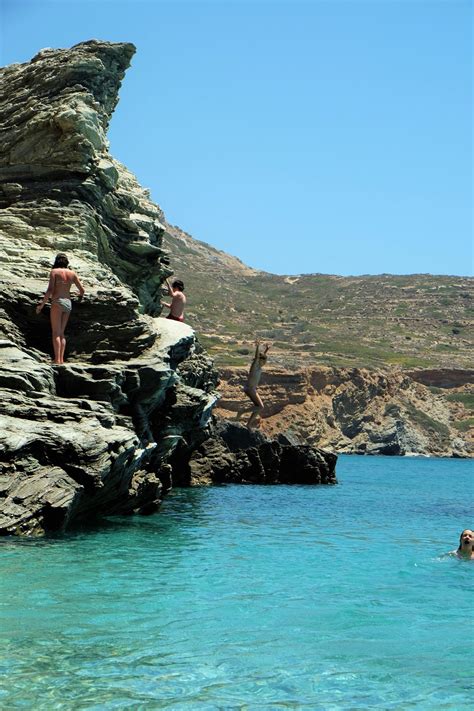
371, 364
93, 436
115, 427
360, 410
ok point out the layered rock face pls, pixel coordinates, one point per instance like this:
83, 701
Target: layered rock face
95, 435
117, 426
237, 455
353, 410
60, 190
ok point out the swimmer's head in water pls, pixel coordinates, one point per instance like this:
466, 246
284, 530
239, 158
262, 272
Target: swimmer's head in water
178, 284
61, 261
466, 538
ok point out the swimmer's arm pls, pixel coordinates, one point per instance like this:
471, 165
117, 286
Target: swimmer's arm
79, 286
450, 554
168, 306
48, 294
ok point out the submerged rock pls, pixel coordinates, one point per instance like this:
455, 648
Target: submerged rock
105, 433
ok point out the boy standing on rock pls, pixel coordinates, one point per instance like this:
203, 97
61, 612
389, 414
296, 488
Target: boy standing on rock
178, 300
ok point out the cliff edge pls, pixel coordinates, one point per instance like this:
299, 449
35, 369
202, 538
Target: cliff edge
94, 436
113, 429
360, 410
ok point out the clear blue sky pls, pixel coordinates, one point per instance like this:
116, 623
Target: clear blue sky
311, 136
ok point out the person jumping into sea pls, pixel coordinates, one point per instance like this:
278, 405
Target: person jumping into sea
253, 380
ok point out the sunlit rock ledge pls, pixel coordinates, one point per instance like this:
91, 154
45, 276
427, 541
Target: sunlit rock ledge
112, 430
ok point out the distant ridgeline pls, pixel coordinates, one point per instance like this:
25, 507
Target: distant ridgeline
370, 364
415, 321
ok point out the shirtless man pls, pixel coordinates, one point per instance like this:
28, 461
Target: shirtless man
253, 380
178, 300
60, 281
466, 545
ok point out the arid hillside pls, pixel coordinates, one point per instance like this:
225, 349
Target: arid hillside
415, 321
369, 364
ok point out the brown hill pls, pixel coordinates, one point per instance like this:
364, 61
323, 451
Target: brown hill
415, 321
369, 364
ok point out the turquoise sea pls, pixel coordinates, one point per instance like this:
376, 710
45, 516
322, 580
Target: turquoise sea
252, 598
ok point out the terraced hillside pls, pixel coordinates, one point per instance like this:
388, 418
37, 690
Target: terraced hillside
415, 321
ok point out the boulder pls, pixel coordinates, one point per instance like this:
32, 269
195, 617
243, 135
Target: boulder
235, 454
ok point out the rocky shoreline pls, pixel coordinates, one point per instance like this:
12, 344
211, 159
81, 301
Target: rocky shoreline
360, 410
130, 414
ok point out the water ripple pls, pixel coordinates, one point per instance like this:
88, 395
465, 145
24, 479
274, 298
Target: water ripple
251, 598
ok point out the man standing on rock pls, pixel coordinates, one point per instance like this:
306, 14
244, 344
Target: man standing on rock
178, 300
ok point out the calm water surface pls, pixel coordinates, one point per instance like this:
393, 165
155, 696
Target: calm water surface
252, 598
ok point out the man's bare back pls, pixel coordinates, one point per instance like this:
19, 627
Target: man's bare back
178, 300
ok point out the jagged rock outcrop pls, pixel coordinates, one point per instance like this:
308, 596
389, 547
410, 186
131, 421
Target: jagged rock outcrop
351, 410
93, 436
443, 377
106, 433
82, 440
237, 455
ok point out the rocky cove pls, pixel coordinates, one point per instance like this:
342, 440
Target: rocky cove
361, 410
131, 413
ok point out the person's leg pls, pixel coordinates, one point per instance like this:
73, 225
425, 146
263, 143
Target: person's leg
254, 396
254, 417
256, 411
55, 317
244, 410
64, 319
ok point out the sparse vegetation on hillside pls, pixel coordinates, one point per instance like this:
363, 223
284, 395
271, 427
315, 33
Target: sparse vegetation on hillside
315, 319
